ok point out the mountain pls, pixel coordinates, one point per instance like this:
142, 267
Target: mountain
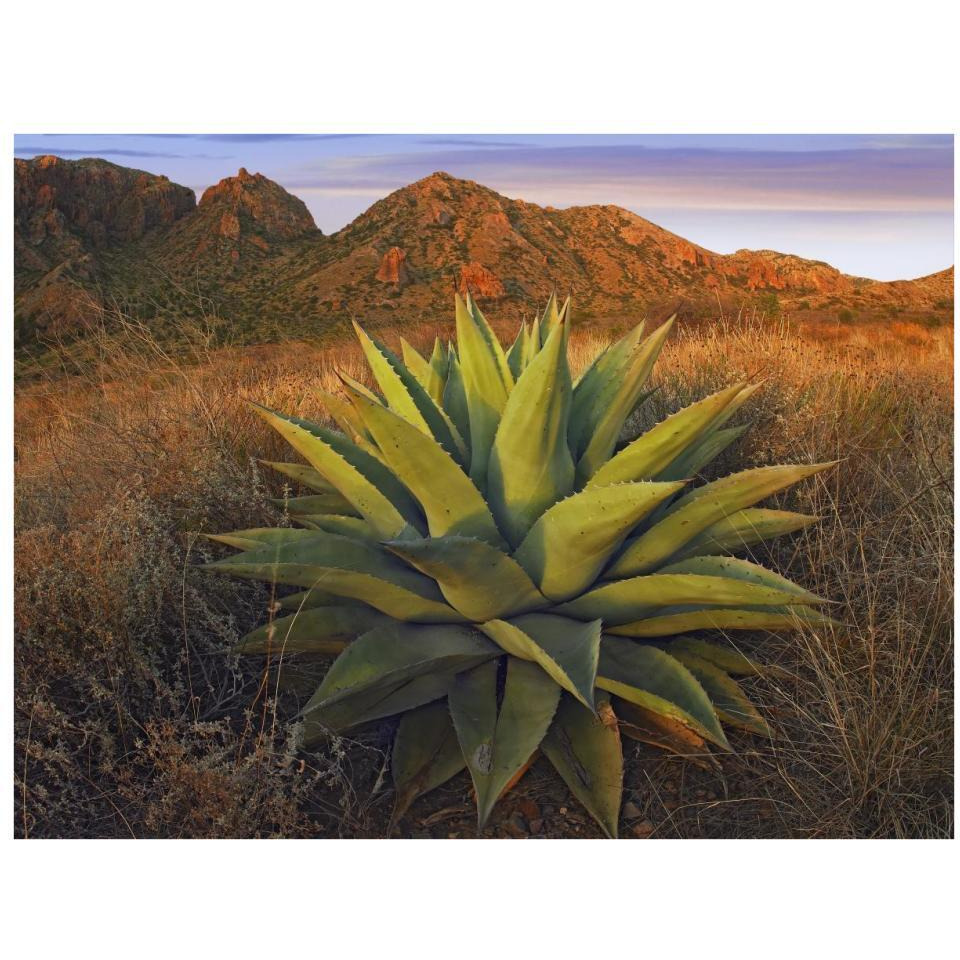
89, 232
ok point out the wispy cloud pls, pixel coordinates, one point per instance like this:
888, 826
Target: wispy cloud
111, 152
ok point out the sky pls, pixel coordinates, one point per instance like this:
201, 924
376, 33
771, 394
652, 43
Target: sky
878, 206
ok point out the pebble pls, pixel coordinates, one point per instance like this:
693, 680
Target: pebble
631, 811
642, 829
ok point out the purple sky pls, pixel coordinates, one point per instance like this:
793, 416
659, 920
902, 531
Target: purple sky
874, 205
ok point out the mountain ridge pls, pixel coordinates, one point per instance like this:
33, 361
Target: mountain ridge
91, 232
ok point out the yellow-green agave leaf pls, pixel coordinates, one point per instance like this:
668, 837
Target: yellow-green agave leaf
665, 733
585, 749
673, 620
455, 397
566, 649
487, 382
258, 537
743, 570
309, 599
726, 658
342, 413
346, 526
350, 568
319, 630
361, 479
656, 449
317, 503
518, 353
569, 545
530, 465
302, 473
426, 753
615, 409
497, 743
407, 398
623, 601
744, 528
701, 508
452, 504
476, 578
653, 679
427, 375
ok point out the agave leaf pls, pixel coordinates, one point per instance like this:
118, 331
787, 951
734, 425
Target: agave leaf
309, 599
530, 465
727, 659
476, 579
426, 753
346, 526
701, 508
566, 649
439, 362
375, 671
745, 571
653, 728
491, 338
487, 382
375, 493
673, 620
421, 368
303, 474
258, 537
586, 752
708, 449
569, 545
317, 630
350, 568
653, 679
535, 341
451, 502
623, 601
615, 411
407, 398
728, 698
653, 451
596, 387
496, 745
549, 319
517, 353
316, 503
344, 415
744, 528
455, 397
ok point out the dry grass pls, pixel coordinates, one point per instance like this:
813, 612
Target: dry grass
132, 719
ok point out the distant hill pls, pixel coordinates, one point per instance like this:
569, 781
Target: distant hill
90, 233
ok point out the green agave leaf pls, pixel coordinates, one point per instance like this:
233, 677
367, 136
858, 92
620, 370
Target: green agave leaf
385, 666
549, 319
701, 508
486, 380
319, 630
655, 450
728, 698
350, 568
496, 745
451, 502
674, 620
455, 397
530, 465
259, 537
534, 342
623, 601
303, 474
653, 679
665, 733
440, 362
346, 526
569, 545
309, 599
708, 449
426, 753
344, 415
597, 386
587, 754
375, 493
621, 404
476, 579
744, 528
317, 503
407, 398
566, 649
726, 658
426, 374
517, 354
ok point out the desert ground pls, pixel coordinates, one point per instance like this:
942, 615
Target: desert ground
133, 719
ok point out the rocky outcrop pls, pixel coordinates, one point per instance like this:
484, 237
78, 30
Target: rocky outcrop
251, 202
393, 268
476, 279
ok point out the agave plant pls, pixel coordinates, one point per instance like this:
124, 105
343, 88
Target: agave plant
490, 562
